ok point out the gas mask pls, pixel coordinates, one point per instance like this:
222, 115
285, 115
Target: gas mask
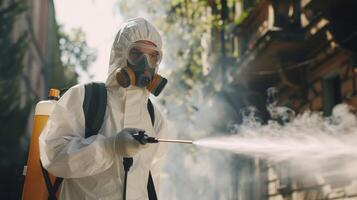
141, 69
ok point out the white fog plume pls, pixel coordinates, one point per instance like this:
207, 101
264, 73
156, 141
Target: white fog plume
309, 141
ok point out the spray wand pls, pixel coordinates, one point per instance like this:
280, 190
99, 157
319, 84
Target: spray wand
173, 141
144, 139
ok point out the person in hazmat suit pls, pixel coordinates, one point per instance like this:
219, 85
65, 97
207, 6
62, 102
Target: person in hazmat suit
92, 167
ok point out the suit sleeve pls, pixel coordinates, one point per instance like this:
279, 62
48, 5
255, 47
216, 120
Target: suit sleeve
63, 149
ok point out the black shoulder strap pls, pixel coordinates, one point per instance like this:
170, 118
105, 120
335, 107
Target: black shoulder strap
94, 107
51, 188
151, 112
151, 187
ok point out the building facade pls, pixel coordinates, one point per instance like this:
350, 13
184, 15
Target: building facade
39, 22
306, 49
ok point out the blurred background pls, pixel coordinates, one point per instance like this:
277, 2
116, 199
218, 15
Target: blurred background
220, 57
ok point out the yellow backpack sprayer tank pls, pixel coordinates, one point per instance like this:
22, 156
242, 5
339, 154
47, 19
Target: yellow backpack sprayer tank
35, 186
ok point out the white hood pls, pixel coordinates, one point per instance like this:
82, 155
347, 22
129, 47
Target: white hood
133, 30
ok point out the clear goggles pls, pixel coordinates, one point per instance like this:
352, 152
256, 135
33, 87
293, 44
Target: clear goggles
137, 51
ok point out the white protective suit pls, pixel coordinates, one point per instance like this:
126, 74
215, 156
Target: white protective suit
90, 166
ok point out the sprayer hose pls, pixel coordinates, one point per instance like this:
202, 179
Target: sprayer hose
127, 162
125, 181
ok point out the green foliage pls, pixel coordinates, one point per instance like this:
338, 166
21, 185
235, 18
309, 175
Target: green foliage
242, 17
75, 53
183, 26
71, 56
14, 109
248, 7
193, 19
